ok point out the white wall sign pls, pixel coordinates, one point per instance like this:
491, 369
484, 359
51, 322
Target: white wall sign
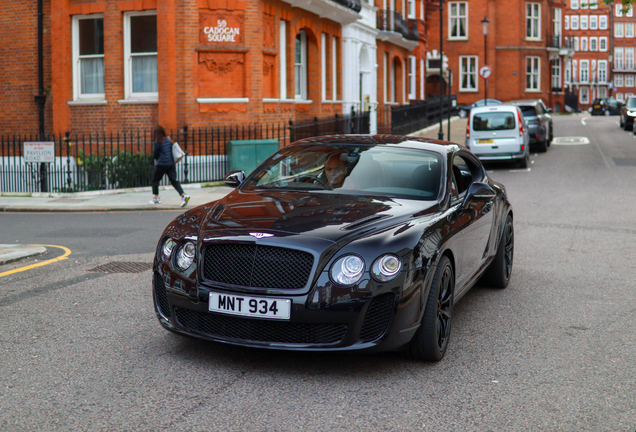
222, 33
38, 151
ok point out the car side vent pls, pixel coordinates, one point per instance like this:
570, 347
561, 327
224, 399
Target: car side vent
377, 318
161, 297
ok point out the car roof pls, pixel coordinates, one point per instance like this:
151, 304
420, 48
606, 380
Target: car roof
506, 107
524, 102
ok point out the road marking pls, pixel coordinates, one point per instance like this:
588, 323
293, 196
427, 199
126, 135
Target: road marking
570, 141
520, 170
67, 252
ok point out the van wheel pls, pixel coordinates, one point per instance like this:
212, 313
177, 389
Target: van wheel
523, 163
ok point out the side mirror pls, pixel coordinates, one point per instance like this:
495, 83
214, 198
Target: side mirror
479, 192
234, 178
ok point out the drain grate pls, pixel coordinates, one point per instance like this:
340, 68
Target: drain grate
122, 267
624, 161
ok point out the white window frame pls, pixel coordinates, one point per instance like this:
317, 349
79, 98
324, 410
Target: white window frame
411, 7
584, 22
128, 78
619, 97
602, 71
629, 29
629, 58
422, 12
618, 30
618, 58
468, 61
594, 4
323, 66
302, 74
602, 22
574, 71
533, 21
568, 71
574, 22
584, 43
334, 68
534, 74
630, 11
566, 23
619, 10
593, 22
585, 4
602, 43
602, 92
455, 14
283, 59
584, 72
556, 73
618, 80
422, 79
593, 44
575, 43
629, 80
584, 95
77, 59
405, 95
393, 81
574, 4
386, 77
412, 77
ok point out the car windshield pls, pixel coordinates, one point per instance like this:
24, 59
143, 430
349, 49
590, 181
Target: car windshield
490, 121
631, 102
528, 111
354, 169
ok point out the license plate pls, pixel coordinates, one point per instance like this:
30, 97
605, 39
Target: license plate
248, 306
597, 106
486, 141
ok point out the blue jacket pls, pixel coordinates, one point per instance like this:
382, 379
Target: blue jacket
163, 153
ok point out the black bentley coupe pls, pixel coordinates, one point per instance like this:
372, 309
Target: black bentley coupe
352, 242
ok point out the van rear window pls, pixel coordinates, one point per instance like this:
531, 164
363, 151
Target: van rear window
493, 121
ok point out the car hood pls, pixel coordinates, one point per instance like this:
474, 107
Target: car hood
326, 216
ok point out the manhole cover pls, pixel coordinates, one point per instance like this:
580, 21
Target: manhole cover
624, 161
570, 141
122, 267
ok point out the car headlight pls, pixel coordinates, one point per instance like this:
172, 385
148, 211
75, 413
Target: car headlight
167, 248
386, 268
185, 255
347, 270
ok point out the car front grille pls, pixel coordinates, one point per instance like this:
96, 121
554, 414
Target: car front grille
257, 266
161, 296
254, 330
377, 318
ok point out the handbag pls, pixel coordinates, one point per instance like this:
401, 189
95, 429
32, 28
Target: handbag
177, 153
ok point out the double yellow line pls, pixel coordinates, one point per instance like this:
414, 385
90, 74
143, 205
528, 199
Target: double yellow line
67, 252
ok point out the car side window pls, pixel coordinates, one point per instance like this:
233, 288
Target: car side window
462, 175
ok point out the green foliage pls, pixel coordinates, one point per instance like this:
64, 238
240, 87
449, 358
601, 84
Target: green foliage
116, 169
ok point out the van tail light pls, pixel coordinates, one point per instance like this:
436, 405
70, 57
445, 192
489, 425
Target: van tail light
520, 122
468, 127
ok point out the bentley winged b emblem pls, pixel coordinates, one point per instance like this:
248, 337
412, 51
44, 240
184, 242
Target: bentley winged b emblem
261, 235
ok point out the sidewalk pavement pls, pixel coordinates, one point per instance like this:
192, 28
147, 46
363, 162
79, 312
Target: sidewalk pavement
137, 199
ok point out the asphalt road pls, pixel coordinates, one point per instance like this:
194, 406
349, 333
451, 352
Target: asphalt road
555, 351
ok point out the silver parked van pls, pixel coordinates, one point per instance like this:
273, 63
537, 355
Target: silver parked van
498, 133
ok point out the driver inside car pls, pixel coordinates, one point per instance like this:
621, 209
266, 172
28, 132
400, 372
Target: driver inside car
335, 170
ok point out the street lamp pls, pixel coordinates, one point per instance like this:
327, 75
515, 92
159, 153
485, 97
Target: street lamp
440, 134
485, 26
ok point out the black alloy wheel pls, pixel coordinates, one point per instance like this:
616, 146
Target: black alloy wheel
431, 340
500, 270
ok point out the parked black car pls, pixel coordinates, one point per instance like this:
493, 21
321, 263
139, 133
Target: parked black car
465, 109
628, 113
605, 106
338, 243
539, 122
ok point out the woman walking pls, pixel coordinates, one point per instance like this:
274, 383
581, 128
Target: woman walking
164, 164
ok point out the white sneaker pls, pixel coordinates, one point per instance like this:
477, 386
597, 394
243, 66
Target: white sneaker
184, 200
155, 201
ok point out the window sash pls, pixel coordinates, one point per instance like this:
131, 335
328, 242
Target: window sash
584, 71
458, 20
532, 73
594, 22
532, 20
468, 73
618, 58
300, 66
629, 29
556, 73
618, 30
602, 22
618, 80
140, 56
88, 57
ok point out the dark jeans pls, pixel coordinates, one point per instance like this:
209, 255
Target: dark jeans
157, 175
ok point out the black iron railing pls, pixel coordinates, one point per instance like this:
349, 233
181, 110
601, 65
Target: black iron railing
354, 123
355, 5
406, 119
392, 21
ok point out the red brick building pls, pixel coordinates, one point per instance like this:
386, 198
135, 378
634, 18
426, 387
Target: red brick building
525, 49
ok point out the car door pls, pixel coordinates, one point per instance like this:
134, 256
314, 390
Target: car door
476, 220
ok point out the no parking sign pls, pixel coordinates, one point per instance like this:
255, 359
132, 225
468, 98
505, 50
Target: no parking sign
485, 72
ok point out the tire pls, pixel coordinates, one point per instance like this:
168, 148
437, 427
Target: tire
542, 146
523, 163
431, 340
498, 273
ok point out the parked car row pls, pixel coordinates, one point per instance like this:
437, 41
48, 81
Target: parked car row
507, 130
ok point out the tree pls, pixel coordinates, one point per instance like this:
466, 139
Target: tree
626, 3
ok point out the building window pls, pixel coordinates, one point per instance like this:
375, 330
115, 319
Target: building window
334, 68
602, 22
629, 80
618, 58
585, 71
140, 54
594, 4
584, 44
585, 4
602, 71
411, 9
618, 80
574, 75
618, 30
584, 20
283, 59
619, 97
629, 58
458, 20
575, 43
602, 44
594, 22
468, 73
300, 65
556, 24
574, 4
556, 74
422, 12
88, 57
533, 71
422, 81
593, 44
566, 24
533, 20
585, 95
568, 71
619, 10
629, 29
323, 66
630, 11
412, 77
574, 22
602, 92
